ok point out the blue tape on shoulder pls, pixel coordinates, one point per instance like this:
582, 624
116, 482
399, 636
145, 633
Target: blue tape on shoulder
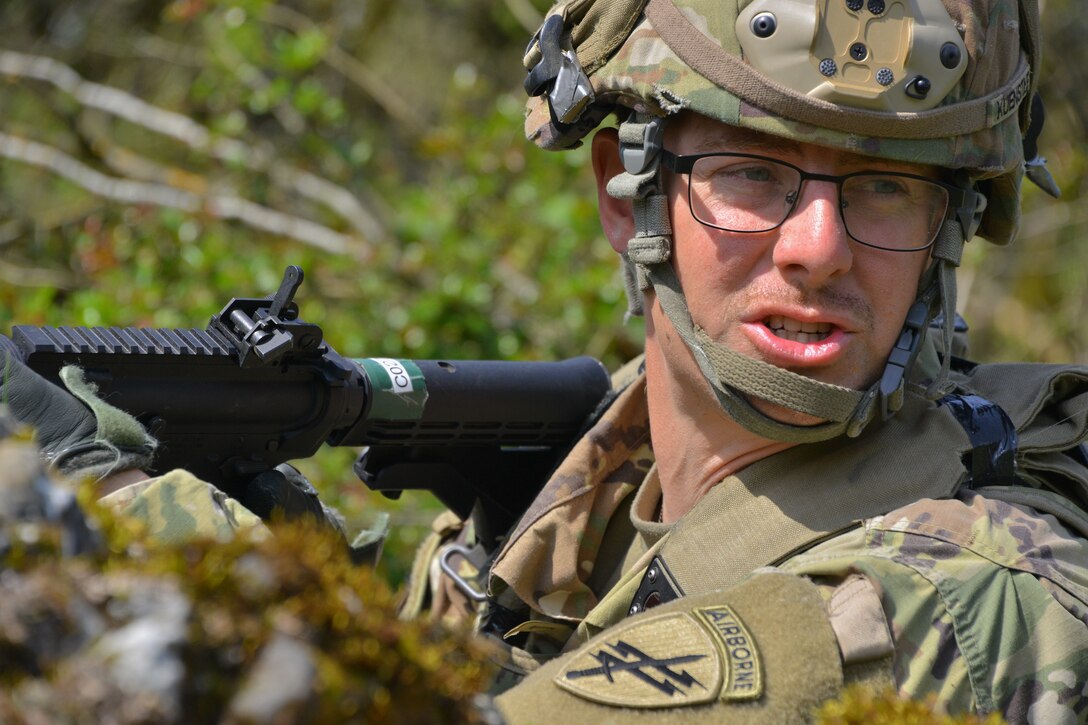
991, 459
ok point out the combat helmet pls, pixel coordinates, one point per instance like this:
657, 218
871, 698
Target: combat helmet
950, 83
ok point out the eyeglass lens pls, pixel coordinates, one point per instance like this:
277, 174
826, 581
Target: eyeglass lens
885, 210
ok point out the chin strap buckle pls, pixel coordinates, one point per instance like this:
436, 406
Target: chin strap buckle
902, 356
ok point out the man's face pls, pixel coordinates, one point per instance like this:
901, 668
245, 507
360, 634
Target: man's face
804, 296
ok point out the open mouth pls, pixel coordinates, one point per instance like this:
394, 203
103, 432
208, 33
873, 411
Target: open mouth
805, 332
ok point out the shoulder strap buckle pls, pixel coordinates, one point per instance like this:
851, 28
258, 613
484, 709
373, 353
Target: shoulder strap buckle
459, 581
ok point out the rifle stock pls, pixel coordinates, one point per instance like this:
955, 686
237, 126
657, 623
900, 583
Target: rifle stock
260, 387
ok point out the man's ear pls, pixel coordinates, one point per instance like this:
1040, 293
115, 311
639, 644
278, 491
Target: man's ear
617, 218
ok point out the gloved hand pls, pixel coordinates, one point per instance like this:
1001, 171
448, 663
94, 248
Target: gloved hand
285, 492
79, 434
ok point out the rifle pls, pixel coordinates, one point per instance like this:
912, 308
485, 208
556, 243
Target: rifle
260, 386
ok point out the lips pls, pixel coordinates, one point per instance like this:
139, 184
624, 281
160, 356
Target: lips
788, 328
795, 341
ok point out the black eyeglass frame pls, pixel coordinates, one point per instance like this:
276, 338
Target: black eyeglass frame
964, 204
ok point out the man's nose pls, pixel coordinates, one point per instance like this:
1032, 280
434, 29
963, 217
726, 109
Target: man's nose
813, 243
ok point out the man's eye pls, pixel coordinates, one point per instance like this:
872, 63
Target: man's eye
748, 172
754, 173
882, 185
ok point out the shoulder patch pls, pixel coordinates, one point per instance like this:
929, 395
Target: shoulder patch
667, 660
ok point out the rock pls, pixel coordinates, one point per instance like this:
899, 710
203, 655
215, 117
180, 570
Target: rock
279, 687
143, 658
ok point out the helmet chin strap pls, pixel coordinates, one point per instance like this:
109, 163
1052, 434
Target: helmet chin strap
735, 378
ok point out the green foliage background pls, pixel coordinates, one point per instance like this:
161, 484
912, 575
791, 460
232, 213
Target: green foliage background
464, 240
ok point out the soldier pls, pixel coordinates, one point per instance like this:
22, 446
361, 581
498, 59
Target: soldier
801, 484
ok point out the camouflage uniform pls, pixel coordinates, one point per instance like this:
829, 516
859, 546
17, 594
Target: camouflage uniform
930, 533
178, 507
968, 596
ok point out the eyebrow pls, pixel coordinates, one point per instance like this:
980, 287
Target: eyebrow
742, 140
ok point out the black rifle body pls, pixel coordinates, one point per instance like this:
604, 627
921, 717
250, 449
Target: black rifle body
482, 435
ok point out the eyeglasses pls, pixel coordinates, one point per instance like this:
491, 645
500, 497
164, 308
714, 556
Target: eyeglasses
749, 194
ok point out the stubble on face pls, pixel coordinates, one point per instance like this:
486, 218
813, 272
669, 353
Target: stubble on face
829, 300
728, 278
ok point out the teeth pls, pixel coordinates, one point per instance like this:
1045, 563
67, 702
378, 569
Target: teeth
802, 337
803, 332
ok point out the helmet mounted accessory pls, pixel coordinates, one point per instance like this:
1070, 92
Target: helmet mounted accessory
902, 80
558, 74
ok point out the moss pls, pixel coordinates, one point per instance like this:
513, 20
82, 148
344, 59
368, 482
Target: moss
367, 665
860, 705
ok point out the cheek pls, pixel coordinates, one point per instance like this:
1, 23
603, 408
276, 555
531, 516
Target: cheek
710, 270
709, 260
893, 288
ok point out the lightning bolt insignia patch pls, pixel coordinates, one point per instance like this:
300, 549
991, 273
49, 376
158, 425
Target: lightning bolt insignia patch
662, 661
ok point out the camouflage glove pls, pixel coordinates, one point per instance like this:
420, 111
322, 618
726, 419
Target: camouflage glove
284, 492
78, 433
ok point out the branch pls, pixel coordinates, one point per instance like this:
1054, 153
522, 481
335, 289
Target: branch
105, 98
10, 231
17, 276
333, 196
276, 222
129, 164
524, 12
148, 46
121, 104
108, 187
222, 206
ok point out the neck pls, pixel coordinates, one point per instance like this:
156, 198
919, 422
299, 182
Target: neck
696, 444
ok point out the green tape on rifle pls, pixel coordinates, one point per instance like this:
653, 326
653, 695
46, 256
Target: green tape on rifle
399, 390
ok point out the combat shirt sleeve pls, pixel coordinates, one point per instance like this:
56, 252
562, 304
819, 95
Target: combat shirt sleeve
178, 507
987, 604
